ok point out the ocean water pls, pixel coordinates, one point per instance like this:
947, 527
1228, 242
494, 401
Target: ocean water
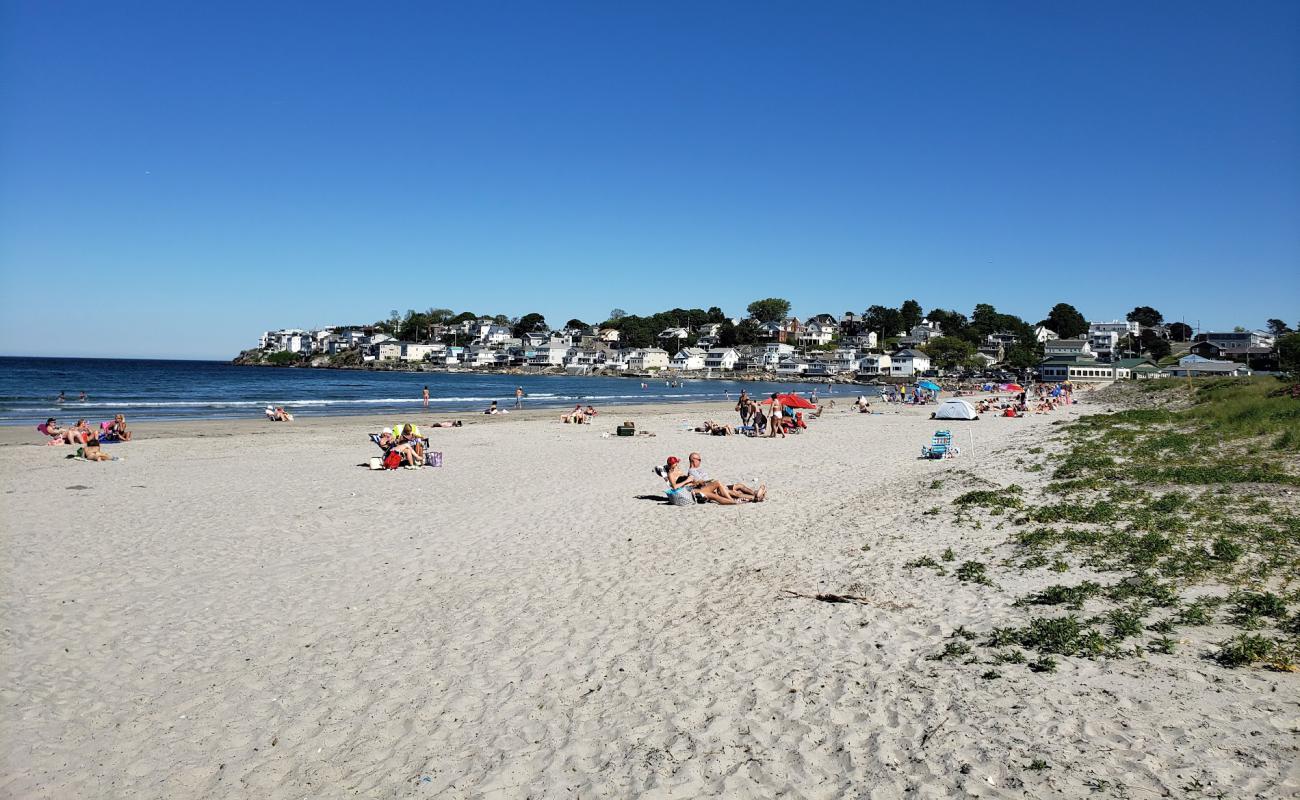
160, 390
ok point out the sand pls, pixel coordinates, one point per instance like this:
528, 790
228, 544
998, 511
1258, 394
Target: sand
240, 610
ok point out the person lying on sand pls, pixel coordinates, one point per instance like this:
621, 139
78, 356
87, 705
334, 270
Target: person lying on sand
450, 423
715, 429
91, 451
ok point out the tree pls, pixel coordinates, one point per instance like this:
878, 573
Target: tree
1278, 328
1288, 354
1146, 316
715, 314
1158, 348
1065, 321
886, 321
727, 334
617, 313
949, 352
950, 322
529, 323
910, 311
464, 316
576, 324
773, 309
1180, 331
501, 319
439, 315
747, 332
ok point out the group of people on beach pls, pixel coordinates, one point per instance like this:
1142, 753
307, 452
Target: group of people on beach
114, 430
86, 437
693, 485
778, 419
63, 397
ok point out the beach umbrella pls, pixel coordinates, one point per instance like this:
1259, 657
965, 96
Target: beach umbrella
1013, 387
791, 401
931, 385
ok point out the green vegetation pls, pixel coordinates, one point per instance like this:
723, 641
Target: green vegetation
1189, 494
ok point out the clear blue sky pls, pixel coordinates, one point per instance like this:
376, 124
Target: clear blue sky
177, 177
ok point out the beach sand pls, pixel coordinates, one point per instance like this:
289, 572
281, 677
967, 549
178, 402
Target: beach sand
238, 609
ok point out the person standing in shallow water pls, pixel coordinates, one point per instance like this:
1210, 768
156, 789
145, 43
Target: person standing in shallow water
519, 397
426, 397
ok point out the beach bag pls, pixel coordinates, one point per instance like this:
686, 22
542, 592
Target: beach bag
392, 459
432, 458
376, 462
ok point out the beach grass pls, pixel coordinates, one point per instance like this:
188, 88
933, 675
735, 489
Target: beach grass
1188, 503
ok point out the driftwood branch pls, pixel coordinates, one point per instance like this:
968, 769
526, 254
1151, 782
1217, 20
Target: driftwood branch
830, 598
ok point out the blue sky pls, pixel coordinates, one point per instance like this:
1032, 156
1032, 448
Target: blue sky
177, 177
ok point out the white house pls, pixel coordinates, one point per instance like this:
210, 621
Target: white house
721, 358
863, 341
414, 351
1103, 343
791, 365
480, 356
817, 332
845, 359
907, 363
874, 364
673, 336
922, 334
1043, 334
709, 329
1068, 348
689, 358
391, 349
650, 358
551, 354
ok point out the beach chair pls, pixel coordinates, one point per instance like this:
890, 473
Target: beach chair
940, 446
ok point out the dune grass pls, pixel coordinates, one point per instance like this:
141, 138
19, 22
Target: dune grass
1191, 495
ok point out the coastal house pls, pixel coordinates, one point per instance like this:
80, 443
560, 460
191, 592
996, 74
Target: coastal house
551, 354
1138, 368
1104, 337
1192, 366
1068, 349
850, 323
921, 334
773, 352
648, 359
817, 368
689, 358
845, 359
416, 351
1252, 356
614, 361
534, 339
377, 338
791, 366
1042, 333
787, 330
708, 329
991, 353
1104, 343
907, 363
721, 358
479, 355
817, 331
583, 360
873, 364
1237, 340
493, 334
390, 350
673, 337
864, 340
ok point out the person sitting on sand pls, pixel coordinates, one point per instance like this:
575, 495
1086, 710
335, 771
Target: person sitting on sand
591, 412
575, 416
278, 414
410, 446
118, 429
703, 484
492, 409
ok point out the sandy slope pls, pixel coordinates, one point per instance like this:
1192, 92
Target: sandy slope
253, 615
